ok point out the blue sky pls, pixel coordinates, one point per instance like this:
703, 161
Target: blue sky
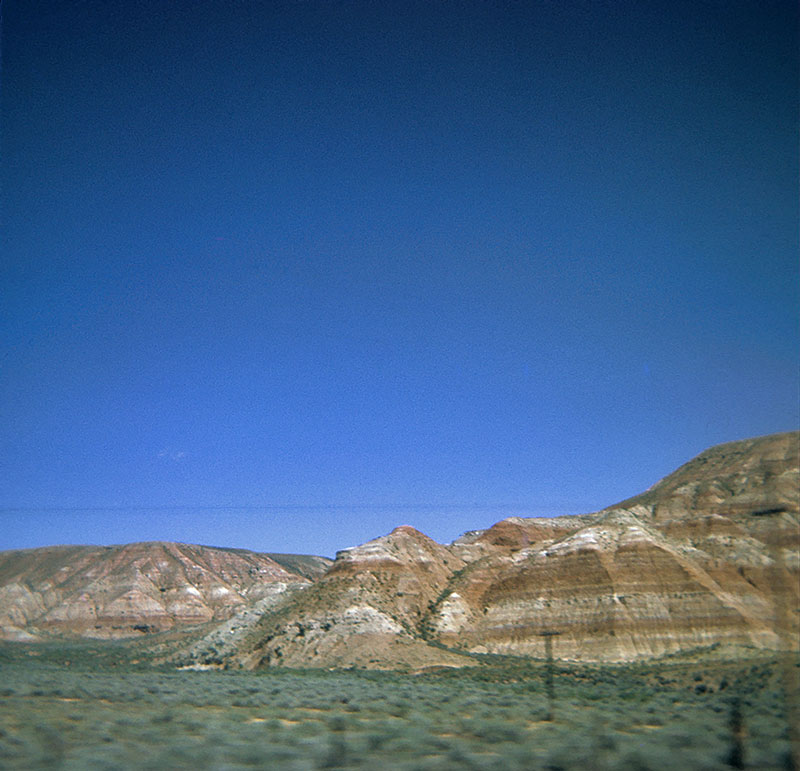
285, 275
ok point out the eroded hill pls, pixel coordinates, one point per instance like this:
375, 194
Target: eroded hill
123, 591
709, 555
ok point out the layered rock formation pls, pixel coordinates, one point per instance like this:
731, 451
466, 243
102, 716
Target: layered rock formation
369, 610
709, 555
123, 591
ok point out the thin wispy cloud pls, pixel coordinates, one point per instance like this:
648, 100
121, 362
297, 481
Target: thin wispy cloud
174, 455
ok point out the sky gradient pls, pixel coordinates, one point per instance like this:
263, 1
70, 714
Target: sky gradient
284, 275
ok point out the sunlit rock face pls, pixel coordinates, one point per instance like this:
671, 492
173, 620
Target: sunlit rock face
750, 477
122, 591
404, 572
611, 591
369, 610
708, 555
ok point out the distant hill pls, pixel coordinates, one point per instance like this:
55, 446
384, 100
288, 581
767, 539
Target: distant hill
123, 591
305, 565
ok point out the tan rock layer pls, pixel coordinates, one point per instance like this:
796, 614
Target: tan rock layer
119, 591
708, 556
367, 611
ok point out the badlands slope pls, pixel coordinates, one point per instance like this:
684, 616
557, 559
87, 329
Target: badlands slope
130, 590
709, 555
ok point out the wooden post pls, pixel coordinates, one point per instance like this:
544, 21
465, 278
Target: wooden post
549, 680
736, 754
787, 652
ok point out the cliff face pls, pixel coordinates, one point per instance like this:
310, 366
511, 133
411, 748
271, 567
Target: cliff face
616, 589
369, 610
708, 555
122, 591
739, 480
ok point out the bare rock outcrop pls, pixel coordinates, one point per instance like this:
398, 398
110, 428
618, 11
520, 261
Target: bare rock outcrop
710, 555
751, 477
123, 591
707, 556
368, 610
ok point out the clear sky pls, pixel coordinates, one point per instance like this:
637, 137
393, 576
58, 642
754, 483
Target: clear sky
284, 275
